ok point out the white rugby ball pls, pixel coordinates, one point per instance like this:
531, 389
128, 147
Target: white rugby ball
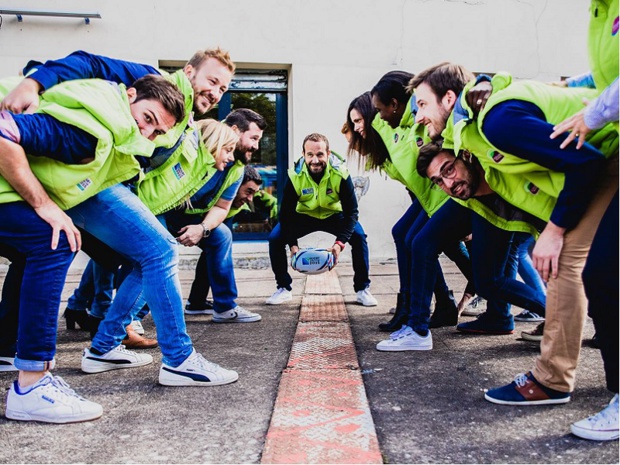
312, 261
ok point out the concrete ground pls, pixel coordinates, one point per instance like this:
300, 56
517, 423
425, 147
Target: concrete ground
427, 407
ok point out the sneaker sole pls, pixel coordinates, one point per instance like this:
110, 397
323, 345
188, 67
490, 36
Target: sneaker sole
531, 339
173, 378
594, 435
367, 305
96, 366
278, 303
471, 313
237, 320
22, 416
199, 312
402, 349
527, 402
529, 320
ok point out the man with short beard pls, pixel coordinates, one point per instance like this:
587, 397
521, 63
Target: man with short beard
319, 196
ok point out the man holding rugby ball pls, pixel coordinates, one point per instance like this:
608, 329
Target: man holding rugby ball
319, 196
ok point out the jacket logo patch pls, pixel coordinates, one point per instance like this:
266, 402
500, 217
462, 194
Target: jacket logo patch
419, 142
178, 171
307, 190
496, 156
84, 184
329, 191
395, 138
532, 188
614, 28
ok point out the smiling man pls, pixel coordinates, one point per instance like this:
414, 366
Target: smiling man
319, 196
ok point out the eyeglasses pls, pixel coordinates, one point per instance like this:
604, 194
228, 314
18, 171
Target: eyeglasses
447, 172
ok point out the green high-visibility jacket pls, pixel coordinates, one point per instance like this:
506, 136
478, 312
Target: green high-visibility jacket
522, 183
100, 108
320, 200
403, 144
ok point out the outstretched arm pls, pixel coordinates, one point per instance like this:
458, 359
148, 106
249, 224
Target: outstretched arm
78, 65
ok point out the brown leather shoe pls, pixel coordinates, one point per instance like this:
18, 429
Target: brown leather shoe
135, 341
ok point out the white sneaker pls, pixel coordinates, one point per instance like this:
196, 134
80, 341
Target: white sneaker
50, 400
365, 298
600, 427
115, 359
137, 327
475, 307
236, 315
280, 296
406, 339
196, 371
7, 364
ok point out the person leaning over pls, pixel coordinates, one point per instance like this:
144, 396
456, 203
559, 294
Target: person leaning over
102, 126
567, 188
197, 303
117, 218
319, 196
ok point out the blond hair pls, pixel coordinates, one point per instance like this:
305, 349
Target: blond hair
215, 136
220, 55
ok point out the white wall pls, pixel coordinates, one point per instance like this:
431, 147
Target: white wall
335, 49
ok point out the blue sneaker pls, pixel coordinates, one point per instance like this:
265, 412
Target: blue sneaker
485, 325
525, 390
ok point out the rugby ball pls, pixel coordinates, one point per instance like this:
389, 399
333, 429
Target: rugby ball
312, 261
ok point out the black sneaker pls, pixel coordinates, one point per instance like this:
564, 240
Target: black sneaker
205, 308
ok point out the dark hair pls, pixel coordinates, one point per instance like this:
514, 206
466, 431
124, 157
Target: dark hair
314, 137
427, 153
242, 117
156, 87
441, 78
372, 146
251, 174
392, 85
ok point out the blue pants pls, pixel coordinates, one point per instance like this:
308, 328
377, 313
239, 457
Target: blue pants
404, 232
42, 280
95, 291
120, 220
219, 259
490, 252
302, 225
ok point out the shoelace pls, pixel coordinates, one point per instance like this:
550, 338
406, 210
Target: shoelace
122, 350
605, 416
60, 385
399, 333
521, 379
204, 363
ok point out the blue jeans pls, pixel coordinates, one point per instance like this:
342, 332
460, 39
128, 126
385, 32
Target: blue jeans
219, 259
404, 232
120, 220
95, 291
42, 281
490, 253
302, 225
521, 246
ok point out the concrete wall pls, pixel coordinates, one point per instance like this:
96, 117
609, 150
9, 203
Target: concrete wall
335, 50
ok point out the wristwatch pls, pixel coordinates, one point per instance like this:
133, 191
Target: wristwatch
205, 231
